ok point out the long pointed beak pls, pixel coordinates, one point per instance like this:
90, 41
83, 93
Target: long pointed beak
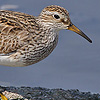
78, 31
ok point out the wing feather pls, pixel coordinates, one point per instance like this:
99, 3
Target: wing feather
12, 31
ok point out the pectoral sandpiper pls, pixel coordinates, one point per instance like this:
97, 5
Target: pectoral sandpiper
25, 39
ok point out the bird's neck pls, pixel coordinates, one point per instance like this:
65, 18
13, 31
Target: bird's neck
48, 24
49, 28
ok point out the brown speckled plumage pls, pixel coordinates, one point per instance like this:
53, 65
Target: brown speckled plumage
25, 39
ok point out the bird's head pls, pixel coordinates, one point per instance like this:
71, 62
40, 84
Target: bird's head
58, 18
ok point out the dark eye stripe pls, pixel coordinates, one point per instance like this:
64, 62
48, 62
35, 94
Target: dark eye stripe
56, 16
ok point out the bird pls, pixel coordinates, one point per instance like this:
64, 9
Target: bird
26, 39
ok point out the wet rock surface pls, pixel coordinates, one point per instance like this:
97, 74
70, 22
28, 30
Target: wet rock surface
39, 93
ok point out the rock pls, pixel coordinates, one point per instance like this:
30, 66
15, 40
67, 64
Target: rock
39, 93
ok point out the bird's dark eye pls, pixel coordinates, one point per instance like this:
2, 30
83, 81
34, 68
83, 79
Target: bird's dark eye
56, 16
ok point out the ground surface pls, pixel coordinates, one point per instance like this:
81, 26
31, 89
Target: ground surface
39, 93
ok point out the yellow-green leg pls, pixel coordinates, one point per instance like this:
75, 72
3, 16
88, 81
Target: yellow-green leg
2, 96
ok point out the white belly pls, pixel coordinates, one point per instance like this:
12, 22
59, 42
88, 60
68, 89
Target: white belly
8, 61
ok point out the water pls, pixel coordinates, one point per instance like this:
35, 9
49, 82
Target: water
75, 63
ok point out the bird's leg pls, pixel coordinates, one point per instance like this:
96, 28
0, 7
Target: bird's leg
2, 96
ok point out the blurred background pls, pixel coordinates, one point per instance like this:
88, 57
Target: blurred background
75, 63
